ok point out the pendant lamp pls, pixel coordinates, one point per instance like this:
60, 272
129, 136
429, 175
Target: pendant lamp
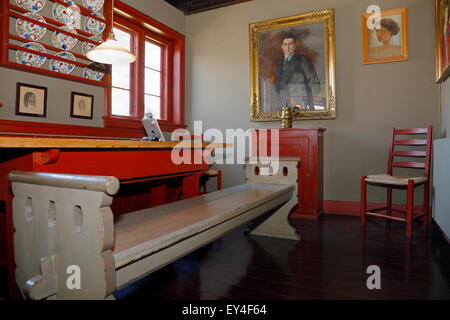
110, 51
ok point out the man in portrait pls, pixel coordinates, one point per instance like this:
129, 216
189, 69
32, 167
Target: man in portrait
295, 78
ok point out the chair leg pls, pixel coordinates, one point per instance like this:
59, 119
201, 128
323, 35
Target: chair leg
219, 180
363, 200
389, 201
426, 207
409, 210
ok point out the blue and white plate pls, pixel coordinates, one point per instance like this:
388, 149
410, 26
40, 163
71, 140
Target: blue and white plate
93, 26
69, 16
63, 41
31, 5
30, 30
93, 5
31, 59
62, 66
94, 74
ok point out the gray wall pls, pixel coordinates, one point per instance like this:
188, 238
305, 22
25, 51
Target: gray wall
370, 98
59, 90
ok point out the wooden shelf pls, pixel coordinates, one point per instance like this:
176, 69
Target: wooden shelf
10, 11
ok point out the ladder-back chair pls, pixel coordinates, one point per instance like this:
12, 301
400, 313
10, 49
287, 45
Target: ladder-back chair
390, 181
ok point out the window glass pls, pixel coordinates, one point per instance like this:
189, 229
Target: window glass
120, 77
152, 82
120, 102
153, 105
152, 56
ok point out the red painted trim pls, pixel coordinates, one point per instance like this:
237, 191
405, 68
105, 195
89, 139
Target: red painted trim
352, 208
28, 127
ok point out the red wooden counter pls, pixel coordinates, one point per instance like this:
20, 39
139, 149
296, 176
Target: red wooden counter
156, 179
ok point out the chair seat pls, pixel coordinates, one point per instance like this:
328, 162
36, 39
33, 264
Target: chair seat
212, 173
393, 180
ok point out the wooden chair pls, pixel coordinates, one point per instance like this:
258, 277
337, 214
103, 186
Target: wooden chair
408, 183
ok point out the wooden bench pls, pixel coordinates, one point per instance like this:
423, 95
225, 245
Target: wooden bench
68, 246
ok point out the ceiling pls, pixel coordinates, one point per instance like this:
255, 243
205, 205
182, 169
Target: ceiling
195, 6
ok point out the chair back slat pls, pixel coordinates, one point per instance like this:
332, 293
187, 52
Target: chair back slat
411, 142
410, 153
407, 164
417, 143
412, 131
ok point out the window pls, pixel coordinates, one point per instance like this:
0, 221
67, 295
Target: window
155, 82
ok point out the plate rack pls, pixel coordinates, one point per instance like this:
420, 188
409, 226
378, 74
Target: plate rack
11, 41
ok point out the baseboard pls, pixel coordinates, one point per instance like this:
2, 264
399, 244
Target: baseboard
352, 208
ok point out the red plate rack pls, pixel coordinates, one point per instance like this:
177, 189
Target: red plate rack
10, 13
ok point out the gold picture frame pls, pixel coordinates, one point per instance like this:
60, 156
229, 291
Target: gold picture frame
442, 39
275, 83
389, 41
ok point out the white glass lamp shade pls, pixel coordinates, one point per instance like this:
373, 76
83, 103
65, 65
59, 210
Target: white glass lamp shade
111, 52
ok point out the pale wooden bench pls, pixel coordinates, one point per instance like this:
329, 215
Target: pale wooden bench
63, 221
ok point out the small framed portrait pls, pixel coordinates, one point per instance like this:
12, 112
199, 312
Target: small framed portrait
292, 64
82, 105
385, 39
31, 100
442, 40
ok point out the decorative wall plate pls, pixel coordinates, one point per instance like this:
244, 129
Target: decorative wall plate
93, 5
94, 74
63, 41
67, 15
93, 26
87, 46
31, 5
30, 30
61, 66
31, 59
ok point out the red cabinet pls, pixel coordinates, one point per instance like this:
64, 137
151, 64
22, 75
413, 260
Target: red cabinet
308, 145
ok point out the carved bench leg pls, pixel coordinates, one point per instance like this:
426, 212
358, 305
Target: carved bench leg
277, 225
63, 241
278, 171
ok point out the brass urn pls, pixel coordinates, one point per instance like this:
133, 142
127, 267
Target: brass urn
287, 115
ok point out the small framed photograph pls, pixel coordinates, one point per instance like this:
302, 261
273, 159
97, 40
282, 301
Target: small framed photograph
82, 105
31, 100
386, 40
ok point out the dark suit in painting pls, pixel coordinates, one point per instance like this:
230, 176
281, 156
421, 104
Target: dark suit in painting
296, 81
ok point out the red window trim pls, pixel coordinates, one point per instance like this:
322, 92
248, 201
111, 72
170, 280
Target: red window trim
173, 63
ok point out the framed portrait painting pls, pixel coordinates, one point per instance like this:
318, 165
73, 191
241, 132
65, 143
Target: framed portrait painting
292, 63
442, 39
385, 40
31, 100
82, 105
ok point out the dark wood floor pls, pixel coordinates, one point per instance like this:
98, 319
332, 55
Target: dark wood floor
329, 262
